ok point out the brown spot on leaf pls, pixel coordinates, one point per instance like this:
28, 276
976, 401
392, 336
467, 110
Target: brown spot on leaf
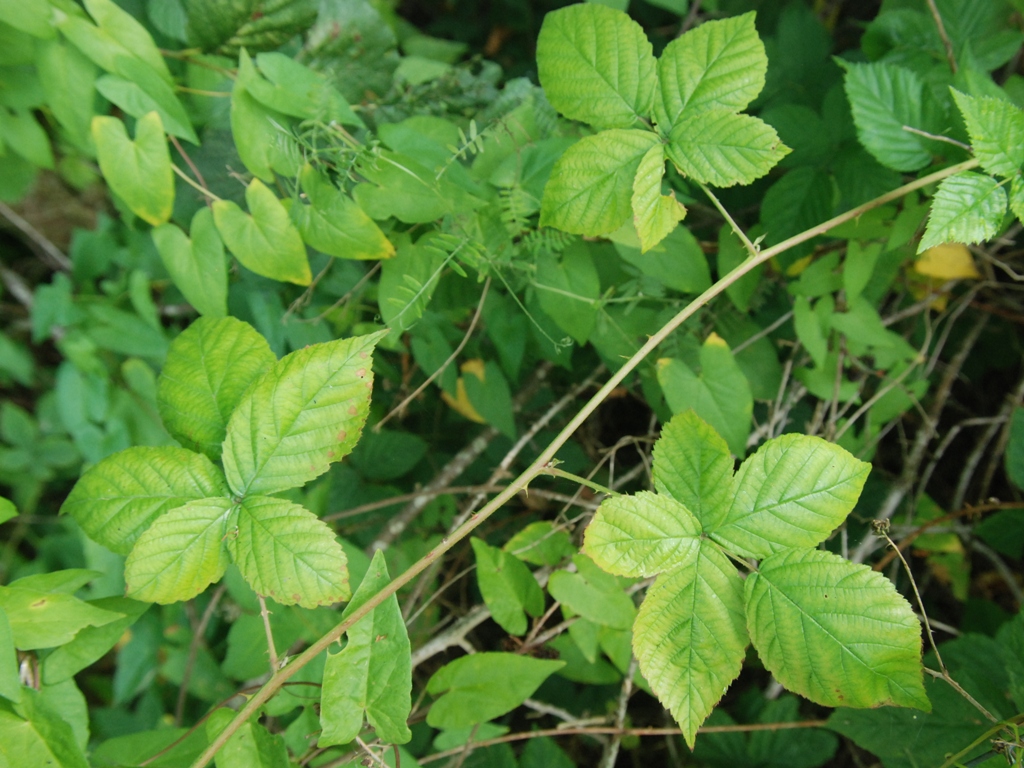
352, 410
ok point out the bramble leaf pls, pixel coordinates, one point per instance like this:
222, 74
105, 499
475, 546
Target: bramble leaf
719, 64
197, 264
654, 215
690, 635
967, 208
468, 694
591, 185
288, 553
792, 492
117, 499
300, 416
722, 148
264, 240
692, 464
996, 128
507, 587
593, 594
138, 171
372, 673
209, 367
641, 535
181, 553
834, 631
596, 65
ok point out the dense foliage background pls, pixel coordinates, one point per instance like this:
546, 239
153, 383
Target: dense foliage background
410, 146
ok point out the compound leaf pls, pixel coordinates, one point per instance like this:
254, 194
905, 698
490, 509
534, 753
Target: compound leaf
209, 367
591, 186
301, 415
835, 632
967, 208
719, 64
118, 498
507, 587
596, 65
692, 464
373, 673
264, 240
138, 171
641, 535
197, 265
690, 635
792, 493
996, 128
469, 695
654, 215
722, 148
181, 553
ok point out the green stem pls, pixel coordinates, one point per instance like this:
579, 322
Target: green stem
540, 463
555, 472
954, 759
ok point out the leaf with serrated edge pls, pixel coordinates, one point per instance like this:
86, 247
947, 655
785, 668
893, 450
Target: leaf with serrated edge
641, 535
721, 148
138, 171
596, 65
690, 635
835, 632
180, 554
967, 208
996, 128
264, 240
286, 552
692, 464
117, 499
372, 673
591, 185
718, 64
306, 412
654, 215
209, 367
507, 587
792, 493
1017, 198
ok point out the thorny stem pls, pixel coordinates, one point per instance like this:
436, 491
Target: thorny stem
555, 472
271, 651
279, 678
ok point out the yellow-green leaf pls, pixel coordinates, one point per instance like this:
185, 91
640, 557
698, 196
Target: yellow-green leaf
138, 171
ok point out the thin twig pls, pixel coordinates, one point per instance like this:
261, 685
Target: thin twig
53, 255
611, 752
950, 56
193, 651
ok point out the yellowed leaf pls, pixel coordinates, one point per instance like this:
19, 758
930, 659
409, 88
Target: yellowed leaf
951, 261
460, 403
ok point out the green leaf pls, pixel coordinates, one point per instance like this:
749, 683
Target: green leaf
407, 282
10, 680
117, 499
884, 98
209, 367
654, 215
92, 643
541, 543
7, 510
264, 239
41, 738
255, 128
507, 587
251, 746
254, 24
590, 188
731, 254
641, 535
399, 185
334, 224
287, 553
835, 632
692, 464
596, 65
121, 26
372, 674
138, 171
593, 594
677, 262
24, 135
68, 79
181, 553
138, 90
690, 635
491, 398
568, 288
48, 619
303, 414
722, 148
32, 16
967, 208
197, 265
468, 691
792, 493
996, 128
719, 64
720, 394
292, 88
1014, 458
858, 267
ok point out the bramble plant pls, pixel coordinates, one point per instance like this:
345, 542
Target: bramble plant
329, 222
